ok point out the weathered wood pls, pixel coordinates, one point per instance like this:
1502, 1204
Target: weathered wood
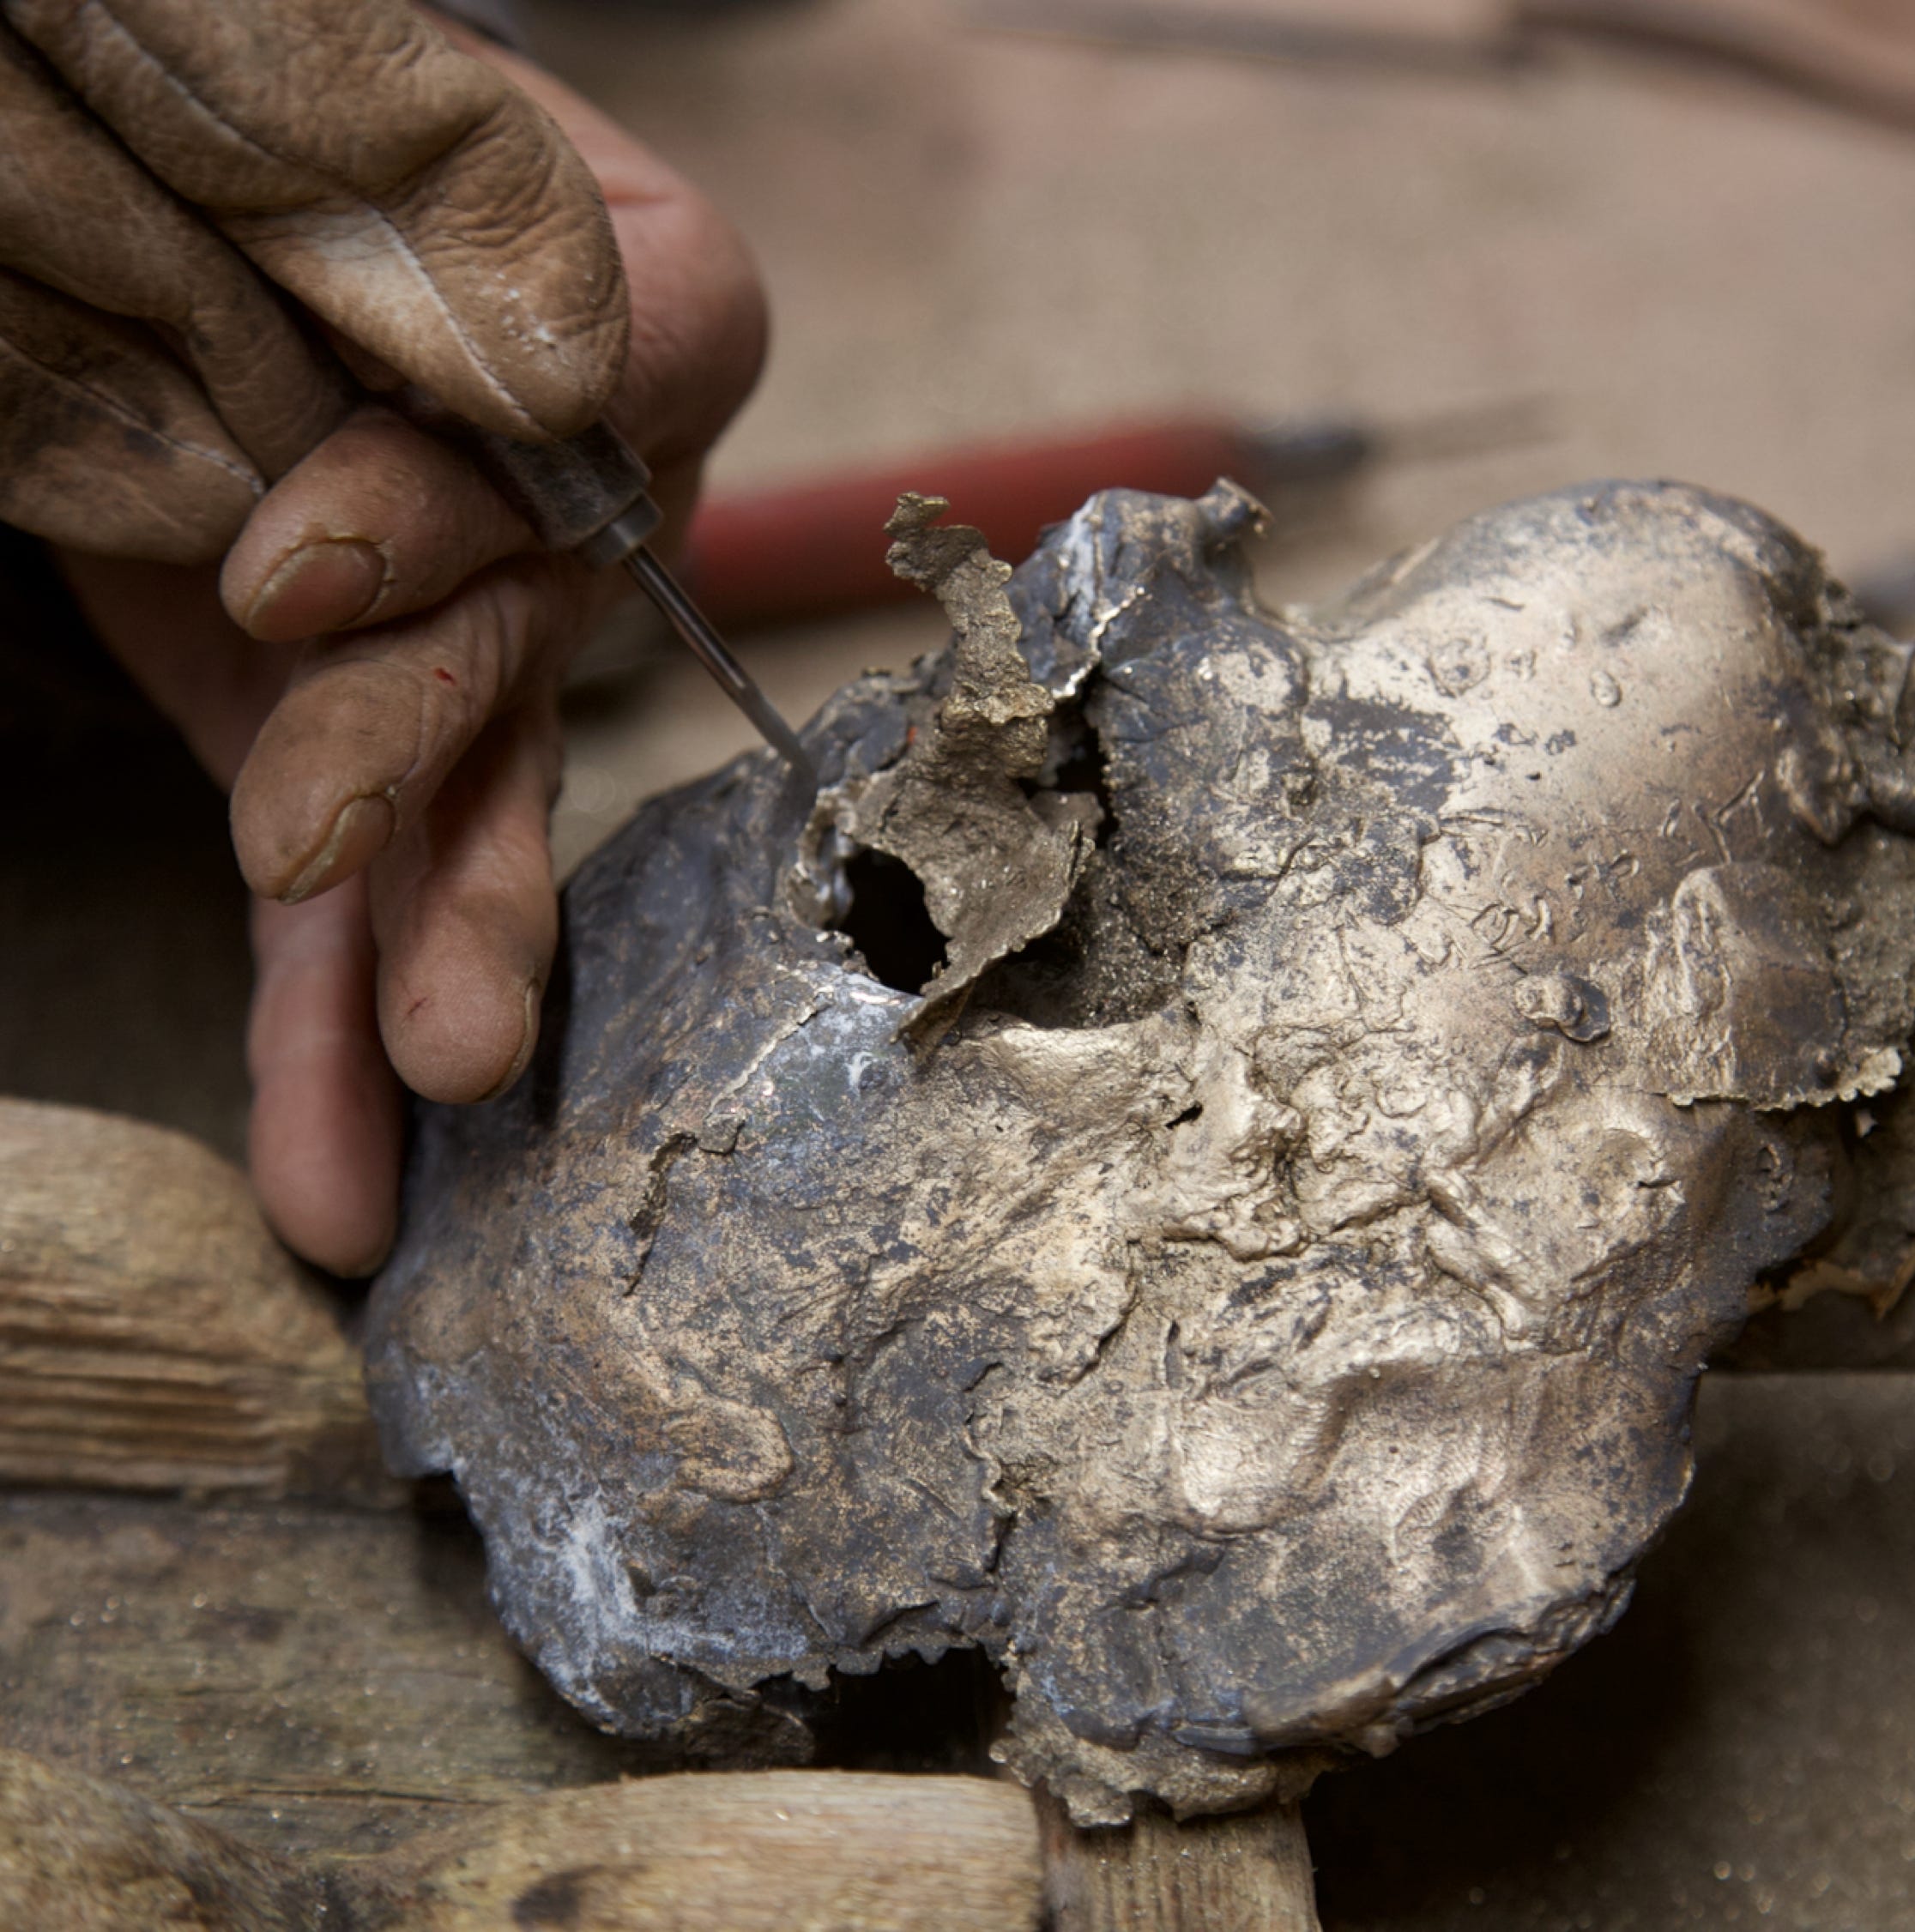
1248, 1871
330, 1681
77, 1855
797, 1851
325, 1680
152, 1334
786, 1851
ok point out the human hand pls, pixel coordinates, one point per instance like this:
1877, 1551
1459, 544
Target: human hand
391, 784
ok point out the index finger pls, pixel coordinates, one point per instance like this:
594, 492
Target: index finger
381, 520
698, 321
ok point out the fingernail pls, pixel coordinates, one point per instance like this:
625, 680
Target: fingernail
362, 828
322, 586
528, 1040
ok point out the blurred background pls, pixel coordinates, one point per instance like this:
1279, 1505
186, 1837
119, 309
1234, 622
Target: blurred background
1685, 255
1515, 245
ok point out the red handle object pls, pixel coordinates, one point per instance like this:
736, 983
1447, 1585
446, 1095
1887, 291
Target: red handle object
776, 555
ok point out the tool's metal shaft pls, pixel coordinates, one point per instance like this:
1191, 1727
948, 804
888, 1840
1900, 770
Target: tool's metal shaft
709, 647
588, 495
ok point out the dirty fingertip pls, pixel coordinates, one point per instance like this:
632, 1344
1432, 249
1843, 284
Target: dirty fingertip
362, 828
463, 1043
319, 587
346, 1232
528, 1039
323, 1145
351, 1248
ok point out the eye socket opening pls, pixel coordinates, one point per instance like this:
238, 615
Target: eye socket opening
888, 923
885, 916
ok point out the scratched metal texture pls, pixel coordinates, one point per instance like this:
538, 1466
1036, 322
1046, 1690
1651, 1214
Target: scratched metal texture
1263, 1313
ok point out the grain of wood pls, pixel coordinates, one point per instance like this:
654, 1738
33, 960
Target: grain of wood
784, 1851
152, 1334
316, 1678
1248, 1871
77, 1855
797, 1851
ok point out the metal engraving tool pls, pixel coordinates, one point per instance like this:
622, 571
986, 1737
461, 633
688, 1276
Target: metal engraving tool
591, 495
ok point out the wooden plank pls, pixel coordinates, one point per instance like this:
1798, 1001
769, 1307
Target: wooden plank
1247, 1872
330, 1681
313, 1678
777, 1851
152, 1334
80, 1855
766, 1851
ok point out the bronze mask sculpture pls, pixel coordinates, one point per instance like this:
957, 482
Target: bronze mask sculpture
1249, 1274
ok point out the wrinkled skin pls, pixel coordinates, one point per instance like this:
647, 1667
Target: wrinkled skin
367, 653
167, 167
1263, 1311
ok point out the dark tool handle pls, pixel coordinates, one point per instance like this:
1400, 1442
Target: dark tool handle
588, 497
570, 492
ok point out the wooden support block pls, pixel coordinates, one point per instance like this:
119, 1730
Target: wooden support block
152, 1334
736, 1851
766, 1851
1248, 1871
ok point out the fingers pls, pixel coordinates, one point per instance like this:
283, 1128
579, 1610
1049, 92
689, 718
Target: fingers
370, 728
432, 213
466, 917
426, 204
698, 318
78, 213
328, 1114
466, 922
399, 189
381, 520
106, 443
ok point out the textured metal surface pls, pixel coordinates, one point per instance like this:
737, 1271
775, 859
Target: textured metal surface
1263, 1311
1740, 1753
